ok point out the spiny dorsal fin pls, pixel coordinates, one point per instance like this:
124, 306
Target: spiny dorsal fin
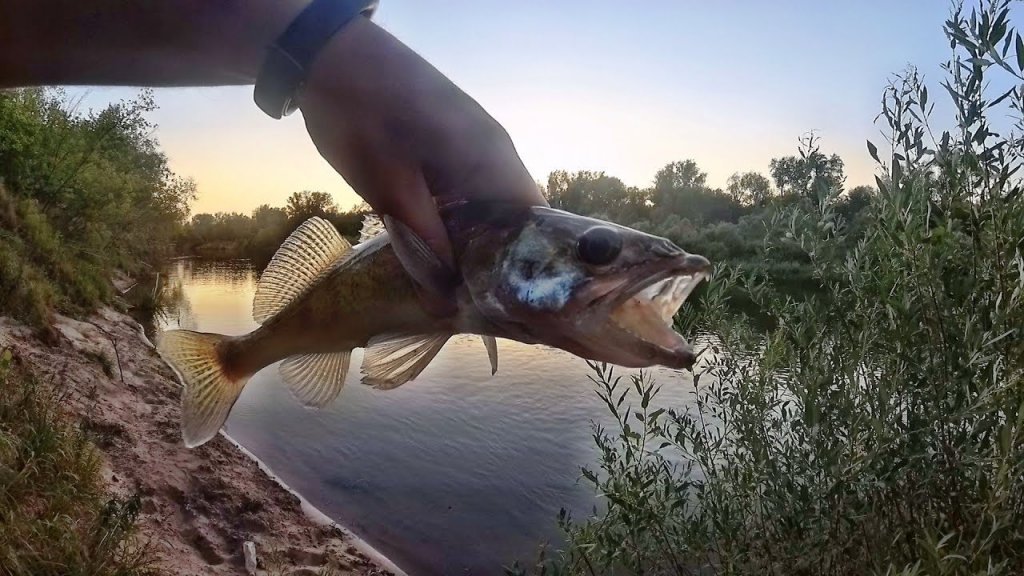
316, 379
308, 252
373, 226
394, 359
492, 352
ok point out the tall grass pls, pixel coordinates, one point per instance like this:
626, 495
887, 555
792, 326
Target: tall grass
55, 517
878, 426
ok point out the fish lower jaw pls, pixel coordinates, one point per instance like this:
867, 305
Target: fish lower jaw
648, 314
641, 321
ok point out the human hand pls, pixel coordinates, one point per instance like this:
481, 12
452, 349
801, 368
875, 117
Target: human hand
402, 134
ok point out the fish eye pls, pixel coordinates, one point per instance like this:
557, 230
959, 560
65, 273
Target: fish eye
599, 245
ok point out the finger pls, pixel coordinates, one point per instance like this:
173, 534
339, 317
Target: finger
403, 195
420, 241
383, 176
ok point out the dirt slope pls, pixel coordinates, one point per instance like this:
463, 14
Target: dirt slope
199, 505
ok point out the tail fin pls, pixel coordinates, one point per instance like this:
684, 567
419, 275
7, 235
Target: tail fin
209, 393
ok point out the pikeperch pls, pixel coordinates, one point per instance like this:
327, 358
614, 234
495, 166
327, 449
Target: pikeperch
528, 273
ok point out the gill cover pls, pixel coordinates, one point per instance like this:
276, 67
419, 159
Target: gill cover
551, 262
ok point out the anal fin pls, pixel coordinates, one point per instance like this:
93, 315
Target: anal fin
316, 379
394, 359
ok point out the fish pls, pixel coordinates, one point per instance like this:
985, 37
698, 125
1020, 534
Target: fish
601, 291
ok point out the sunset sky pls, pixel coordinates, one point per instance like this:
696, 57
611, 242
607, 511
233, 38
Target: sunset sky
592, 85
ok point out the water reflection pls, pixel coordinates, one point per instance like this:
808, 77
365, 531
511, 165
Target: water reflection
457, 472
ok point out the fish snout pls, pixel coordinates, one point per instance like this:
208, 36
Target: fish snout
667, 249
695, 263
690, 263
683, 357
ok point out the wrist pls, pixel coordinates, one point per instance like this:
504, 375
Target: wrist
286, 66
243, 41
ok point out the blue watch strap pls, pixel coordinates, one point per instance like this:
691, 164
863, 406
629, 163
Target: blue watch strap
291, 55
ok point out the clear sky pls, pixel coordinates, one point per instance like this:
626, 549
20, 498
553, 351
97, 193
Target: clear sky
597, 85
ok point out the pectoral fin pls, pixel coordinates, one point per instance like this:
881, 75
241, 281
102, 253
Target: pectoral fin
394, 359
432, 275
492, 352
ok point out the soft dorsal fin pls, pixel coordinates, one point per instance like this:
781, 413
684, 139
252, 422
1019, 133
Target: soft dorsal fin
373, 226
391, 360
316, 379
307, 253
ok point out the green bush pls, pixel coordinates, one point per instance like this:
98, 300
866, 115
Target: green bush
81, 195
877, 426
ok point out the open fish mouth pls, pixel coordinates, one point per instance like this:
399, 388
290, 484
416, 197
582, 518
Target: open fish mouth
647, 314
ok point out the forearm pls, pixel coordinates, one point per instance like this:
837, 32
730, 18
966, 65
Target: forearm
138, 42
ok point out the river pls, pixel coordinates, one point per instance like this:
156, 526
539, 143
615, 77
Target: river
457, 472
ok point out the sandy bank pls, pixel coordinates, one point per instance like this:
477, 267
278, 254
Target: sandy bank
198, 505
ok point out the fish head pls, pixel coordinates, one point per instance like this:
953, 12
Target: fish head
599, 290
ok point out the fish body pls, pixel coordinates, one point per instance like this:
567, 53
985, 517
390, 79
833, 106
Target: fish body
527, 273
362, 294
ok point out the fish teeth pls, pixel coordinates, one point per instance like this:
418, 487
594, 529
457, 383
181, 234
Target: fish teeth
668, 295
673, 294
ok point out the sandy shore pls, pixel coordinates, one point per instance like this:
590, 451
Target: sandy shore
200, 505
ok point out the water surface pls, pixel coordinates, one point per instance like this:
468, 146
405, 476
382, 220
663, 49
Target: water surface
457, 472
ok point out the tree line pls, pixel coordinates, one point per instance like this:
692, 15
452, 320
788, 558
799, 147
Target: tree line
257, 236
726, 225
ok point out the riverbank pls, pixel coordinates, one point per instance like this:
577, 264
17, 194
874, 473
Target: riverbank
198, 506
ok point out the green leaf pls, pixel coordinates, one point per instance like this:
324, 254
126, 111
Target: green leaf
881, 185
1020, 53
873, 150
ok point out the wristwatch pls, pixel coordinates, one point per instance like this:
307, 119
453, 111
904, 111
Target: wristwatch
289, 58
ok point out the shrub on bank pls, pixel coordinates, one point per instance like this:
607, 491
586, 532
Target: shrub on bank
877, 426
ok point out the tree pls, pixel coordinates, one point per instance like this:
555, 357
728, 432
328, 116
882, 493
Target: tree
675, 178
680, 188
749, 188
810, 173
586, 192
853, 205
674, 183
307, 204
636, 205
267, 216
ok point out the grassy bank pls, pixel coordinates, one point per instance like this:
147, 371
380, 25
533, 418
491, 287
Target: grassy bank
56, 517
84, 195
